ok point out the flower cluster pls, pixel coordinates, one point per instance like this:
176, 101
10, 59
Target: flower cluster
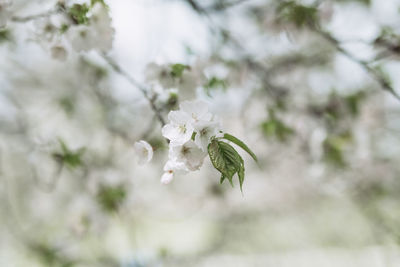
189, 131
97, 33
179, 76
81, 27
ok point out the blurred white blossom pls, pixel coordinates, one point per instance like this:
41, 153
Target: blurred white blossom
97, 35
59, 52
144, 152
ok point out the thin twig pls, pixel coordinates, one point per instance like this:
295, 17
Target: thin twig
36, 16
224, 6
364, 64
274, 90
142, 88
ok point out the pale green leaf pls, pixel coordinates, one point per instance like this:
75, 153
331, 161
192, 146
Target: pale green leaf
238, 142
227, 161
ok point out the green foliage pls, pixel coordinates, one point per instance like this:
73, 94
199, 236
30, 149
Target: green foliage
157, 143
364, 2
93, 2
214, 83
193, 136
78, 13
338, 108
384, 77
111, 197
353, 102
177, 70
72, 159
227, 161
275, 128
67, 104
173, 100
387, 35
334, 147
5, 35
300, 15
96, 71
239, 143
64, 28
49, 256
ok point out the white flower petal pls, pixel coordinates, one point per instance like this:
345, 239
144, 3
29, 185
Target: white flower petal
179, 117
177, 134
189, 154
175, 166
144, 151
170, 132
197, 110
167, 177
204, 132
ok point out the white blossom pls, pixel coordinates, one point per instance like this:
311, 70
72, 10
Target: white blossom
97, 35
204, 131
189, 154
45, 29
81, 38
144, 151
161, 74
167, 177
185, 154
100, 21
188, 80
170, 169
197, 110
180, 129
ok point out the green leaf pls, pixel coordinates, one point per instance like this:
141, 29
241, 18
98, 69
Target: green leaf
241, 175
300, 15
334, 148
226, 160
111, 197
274, 127
78, 13
5, 35
193, 136
177, 69
238, 142
353, 102
68, 157
214, 83
222, 179
64, 27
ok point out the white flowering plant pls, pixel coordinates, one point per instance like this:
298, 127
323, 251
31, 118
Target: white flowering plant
193, 132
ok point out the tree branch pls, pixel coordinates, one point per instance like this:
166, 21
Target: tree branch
46, 14
364, 64
142, 88
222, 6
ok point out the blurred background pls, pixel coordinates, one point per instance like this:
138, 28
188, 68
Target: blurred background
311, 86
